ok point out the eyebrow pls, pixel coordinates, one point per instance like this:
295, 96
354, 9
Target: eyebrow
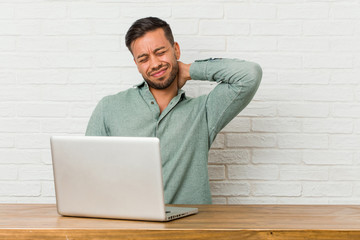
145, 54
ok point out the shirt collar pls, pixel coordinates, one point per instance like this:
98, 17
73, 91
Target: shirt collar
144, 84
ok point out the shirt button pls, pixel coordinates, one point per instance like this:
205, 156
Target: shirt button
152, 102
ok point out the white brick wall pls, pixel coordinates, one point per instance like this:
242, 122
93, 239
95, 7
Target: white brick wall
298, 141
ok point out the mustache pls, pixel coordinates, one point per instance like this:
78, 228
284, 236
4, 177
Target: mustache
157, 68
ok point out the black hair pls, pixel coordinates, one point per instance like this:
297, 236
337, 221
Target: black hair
141, 26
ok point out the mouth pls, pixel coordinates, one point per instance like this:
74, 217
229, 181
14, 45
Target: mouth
159, 73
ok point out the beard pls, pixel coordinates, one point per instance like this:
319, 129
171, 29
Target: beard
163, 84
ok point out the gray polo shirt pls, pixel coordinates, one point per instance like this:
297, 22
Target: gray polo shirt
186, 128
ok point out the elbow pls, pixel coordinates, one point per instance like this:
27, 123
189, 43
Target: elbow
256, 73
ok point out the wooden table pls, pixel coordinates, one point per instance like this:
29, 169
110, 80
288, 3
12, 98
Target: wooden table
290, 222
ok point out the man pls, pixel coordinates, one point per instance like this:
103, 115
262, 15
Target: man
159, 108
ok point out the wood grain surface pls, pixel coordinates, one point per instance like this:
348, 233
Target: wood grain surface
41, 221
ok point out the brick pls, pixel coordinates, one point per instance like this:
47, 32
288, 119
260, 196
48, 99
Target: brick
327, 157
18, 189
250, 11
217, 27
116, 59
66, 60
7, 109
345, 141
7, 44
276, 125
259, 109
42, 76
90, 10
28, 93
275, 156
227, 156
81, 109
8, 172
46, 157
271, 78
219, 142
303, 11
297, 141
197, 11
139, 12
344, 77
16, 61
19, 125
300, 173
315, 189
345, 173
184, 27
357, 94
229, 189
42, 109
218, 200
36, 173
303, 200
303, 44
250, 140
304, 77
344, 200
202, 43
356, 190
16, 156
328, 28
67, 93
35, 200
7, 78
251, 44
32, 141
216, 172
64, 125
252, 200
20, 28
247, 172
348, 110
278, 61
357, 126
238, 124
103, 90
273, 189
276, 28
94, 44
52, 44
66, 27
112, 27
328, 61
6, 140
6, 11
41, 10
303, 109
328, 125
345, 44
279, 93
345, 11
48, 189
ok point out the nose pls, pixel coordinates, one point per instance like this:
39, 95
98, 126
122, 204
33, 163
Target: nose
155, 63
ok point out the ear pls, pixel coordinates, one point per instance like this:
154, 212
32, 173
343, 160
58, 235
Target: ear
177, 50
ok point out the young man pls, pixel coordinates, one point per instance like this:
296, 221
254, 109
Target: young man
159, 108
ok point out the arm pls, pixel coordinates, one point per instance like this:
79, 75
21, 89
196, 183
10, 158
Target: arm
96, 125
238, 81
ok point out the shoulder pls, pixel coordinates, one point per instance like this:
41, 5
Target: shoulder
119, 97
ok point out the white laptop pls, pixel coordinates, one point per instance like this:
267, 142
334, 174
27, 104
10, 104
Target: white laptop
111, 177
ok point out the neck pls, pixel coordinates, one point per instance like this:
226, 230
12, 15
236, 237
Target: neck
164, 96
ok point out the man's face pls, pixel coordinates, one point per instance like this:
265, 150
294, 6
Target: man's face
156, 59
